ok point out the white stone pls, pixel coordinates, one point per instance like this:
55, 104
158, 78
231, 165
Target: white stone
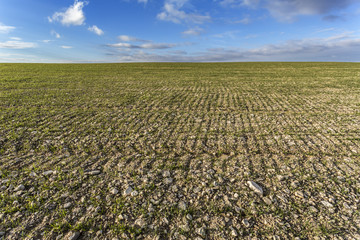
128, 191
255, 187
19, 188
182, 205
327, 204
46, 173
114, 191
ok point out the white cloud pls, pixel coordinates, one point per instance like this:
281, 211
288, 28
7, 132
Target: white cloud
46, 41
17, 45
127, 38
5, 29
57, 35
15, 38
288, 10
96, 30
143, 1
143, 46
239, 3
66, 47
342, 47
73, 15
193, 31
172, 12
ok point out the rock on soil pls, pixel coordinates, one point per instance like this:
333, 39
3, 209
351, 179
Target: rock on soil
255, 187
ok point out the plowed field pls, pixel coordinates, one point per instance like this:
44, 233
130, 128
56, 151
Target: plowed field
167, 150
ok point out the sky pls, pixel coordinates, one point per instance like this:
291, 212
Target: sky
179, 30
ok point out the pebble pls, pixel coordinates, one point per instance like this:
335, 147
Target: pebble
299, 194
128, 191
233, 232
246, 222
114, 191
168, 180
182, 205
295, 184
327, 204
94, 172
32, 174
134, 193
74, 236
255, 187
201, 231
267, 200
140, 222
185, 227
313, 209
280, 177
67, 205
166, 174
46, 173
19, 188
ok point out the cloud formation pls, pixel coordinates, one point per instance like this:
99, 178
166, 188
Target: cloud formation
126, 38
17, 44
57, 35
66, 47
143, 46
288, 10
73, 15
342, 47
5, 29
239, 3
172, 12
193, 32
96, 30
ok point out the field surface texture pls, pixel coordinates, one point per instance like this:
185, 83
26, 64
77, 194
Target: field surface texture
180, 151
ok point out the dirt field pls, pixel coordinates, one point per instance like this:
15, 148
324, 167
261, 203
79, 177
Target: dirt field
180, 151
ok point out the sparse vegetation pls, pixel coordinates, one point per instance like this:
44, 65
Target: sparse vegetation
165, 150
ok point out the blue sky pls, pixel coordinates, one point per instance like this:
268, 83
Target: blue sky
179, 30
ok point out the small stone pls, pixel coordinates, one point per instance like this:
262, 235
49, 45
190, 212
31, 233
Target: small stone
267, 200
46, 173
313, 209
94, 172
165, 221
295, 184
185, 227
201, 231
74, 236
233, 232
166, 174
134, 193
140, 222
246, 222
32, 174
280, 177
327, 204
114, 191
67, 205
189, 217
128, 191
182, 205
299, 194
19, 188
168, 180
255, 187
